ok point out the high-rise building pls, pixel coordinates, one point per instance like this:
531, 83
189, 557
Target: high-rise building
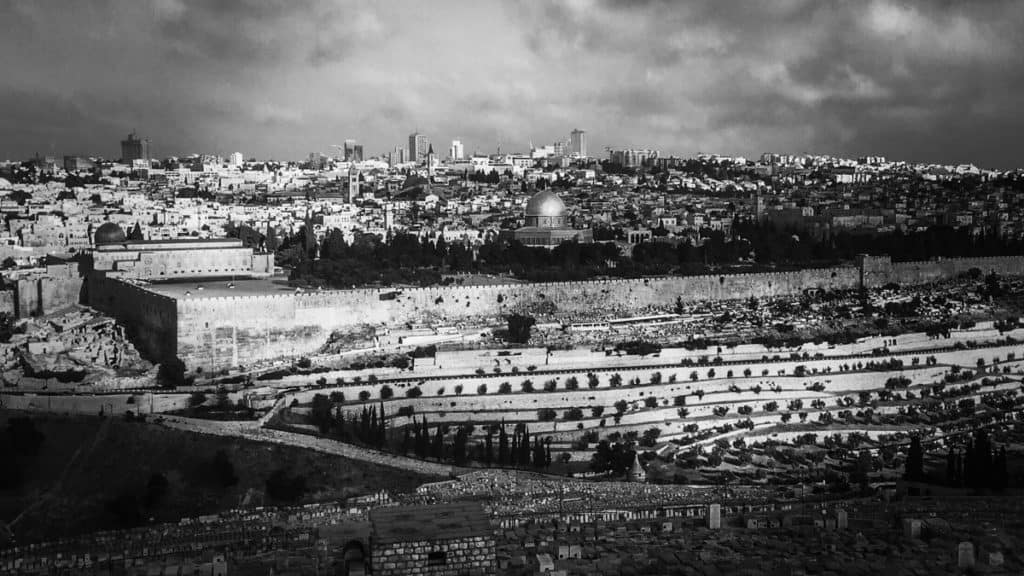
418, 145
398, 156
353, 151
76, 163
578, 143
456, 152
236, 159
134, 149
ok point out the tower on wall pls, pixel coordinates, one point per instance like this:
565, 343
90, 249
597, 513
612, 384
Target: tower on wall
874, 270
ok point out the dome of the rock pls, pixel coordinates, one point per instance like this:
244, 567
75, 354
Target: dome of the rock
545, 204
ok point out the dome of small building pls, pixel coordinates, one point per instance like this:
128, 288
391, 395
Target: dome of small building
545, 204
109, 233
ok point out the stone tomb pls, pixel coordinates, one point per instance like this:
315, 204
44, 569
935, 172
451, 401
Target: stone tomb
443, 540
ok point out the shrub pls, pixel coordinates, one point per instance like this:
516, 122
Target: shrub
592, 380
573, 414
572, 383
651, 402
413, 392
527, 386
549, 386
197, 399
386, 392
505, 388
546, 414
458, 389
597, 411
481, 389
364, 395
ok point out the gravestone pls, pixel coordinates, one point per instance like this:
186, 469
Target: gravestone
995, 558
912, 527
965, 555
715, 516
842, 522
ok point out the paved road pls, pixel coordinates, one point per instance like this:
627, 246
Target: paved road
253, 431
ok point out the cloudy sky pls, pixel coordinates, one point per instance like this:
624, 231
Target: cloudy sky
935, 80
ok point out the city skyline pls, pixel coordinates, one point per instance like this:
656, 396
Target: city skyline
916, 81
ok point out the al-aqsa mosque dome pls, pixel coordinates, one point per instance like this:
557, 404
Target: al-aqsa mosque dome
546, 222
109, 233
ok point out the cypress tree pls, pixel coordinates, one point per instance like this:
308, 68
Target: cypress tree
371, 431
437, 450
339, 423
502, 445
914, 468
538, 453
1001, 475
488, 448
951, 472
524, 447
514, 453
459, 448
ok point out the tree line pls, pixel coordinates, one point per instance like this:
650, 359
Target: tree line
407, 258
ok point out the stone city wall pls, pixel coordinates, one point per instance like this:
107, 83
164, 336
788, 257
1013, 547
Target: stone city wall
109, 404
60, 286
228, 331
880, 270
150, 319
221, 332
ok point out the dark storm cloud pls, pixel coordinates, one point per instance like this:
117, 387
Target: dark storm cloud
918, 80
834, 77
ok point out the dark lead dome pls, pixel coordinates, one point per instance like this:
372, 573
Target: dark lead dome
109, 233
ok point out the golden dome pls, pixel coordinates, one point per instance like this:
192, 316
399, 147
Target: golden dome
545, 204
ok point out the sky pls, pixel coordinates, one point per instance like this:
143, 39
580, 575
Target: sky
931, 80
